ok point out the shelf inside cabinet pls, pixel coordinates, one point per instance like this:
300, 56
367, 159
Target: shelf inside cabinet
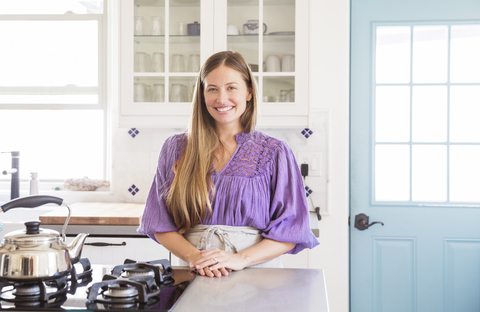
172, 38
172, 2
266, 38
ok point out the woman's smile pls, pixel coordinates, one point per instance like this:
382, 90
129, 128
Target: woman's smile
224, 109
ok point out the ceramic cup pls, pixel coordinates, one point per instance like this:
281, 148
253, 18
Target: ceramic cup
177, 93
139, 92
178, 63
142, 62
193, 63
232, 30
182, 29
158, 93
140, 26
157, 26
148, 93
288, 63
158, 62
272, 63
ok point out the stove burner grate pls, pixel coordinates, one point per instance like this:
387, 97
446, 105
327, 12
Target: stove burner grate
161, 270
133, 284
44, 292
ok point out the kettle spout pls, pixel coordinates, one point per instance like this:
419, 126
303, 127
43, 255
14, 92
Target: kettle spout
76, 247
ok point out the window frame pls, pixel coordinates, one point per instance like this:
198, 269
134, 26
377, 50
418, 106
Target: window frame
104, 91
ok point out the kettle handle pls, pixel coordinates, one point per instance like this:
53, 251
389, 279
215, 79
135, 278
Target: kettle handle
31, 202
35, 201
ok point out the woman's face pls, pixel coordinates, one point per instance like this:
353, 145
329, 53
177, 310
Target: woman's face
226, 95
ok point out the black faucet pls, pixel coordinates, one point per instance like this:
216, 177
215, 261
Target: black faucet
15, 172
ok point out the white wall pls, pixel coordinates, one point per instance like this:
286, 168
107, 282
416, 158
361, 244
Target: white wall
329, 91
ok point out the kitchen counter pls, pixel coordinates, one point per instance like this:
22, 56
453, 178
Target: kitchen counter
112, 219
257, 289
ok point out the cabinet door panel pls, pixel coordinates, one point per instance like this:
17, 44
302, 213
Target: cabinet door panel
138, 249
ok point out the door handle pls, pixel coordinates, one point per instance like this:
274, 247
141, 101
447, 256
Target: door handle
361, 222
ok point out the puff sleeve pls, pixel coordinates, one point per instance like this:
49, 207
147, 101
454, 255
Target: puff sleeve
289, 215
156, 217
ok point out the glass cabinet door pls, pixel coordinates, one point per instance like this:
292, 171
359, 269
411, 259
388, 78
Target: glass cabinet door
264, 32
165, 42
166, 50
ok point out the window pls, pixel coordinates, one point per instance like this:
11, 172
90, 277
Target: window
52, 87
427, 103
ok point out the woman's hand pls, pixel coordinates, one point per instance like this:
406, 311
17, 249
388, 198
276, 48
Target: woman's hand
216, 263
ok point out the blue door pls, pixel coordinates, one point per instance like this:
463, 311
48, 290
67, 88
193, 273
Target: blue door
415, 156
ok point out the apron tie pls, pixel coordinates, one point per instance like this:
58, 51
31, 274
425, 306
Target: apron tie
207, 235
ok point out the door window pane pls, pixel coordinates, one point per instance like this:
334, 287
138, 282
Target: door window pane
392, 173
429, 173
392, 114
392, 54
464, 52
464, 113
464, 173
430, 54
429, 114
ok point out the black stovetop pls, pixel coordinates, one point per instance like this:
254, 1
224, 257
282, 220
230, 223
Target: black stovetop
164, 293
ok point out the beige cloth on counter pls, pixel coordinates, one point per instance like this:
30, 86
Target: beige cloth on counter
232, 239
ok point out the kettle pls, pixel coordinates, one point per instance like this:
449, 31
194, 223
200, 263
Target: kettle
36, 253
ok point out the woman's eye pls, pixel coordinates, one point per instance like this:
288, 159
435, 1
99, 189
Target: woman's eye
211, 89
231, 88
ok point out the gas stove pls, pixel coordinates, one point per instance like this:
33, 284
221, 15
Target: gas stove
133, 285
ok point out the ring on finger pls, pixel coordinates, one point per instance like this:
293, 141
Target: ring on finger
215, 259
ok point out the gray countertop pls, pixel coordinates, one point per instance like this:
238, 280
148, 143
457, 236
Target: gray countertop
257, 289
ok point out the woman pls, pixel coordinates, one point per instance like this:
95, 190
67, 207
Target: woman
226, 197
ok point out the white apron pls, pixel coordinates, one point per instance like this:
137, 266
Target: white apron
232, 239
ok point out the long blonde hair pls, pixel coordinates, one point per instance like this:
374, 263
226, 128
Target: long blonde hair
192, 190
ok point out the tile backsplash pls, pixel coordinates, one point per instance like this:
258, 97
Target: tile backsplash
136, 151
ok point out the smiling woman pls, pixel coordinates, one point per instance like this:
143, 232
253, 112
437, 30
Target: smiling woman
52, 98
226, 197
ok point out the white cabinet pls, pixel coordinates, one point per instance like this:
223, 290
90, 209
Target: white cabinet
145, 249
160, 58
298, 261
138, 249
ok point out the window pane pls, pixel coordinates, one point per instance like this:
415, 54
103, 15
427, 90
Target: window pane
392, 173
429, 173
49, 53
58, 144
51, 6
464, 113
464, 173
430, 54
464, 52
392, 54
429, 114
392, 114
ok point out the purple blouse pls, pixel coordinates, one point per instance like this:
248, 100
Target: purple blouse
261, 186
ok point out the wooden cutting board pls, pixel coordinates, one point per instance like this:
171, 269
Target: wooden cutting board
97, 214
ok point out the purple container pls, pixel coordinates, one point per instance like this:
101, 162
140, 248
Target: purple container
193, 29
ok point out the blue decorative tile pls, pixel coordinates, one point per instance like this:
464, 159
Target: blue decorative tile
133, 132
308, 191
133, 189
307, 132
